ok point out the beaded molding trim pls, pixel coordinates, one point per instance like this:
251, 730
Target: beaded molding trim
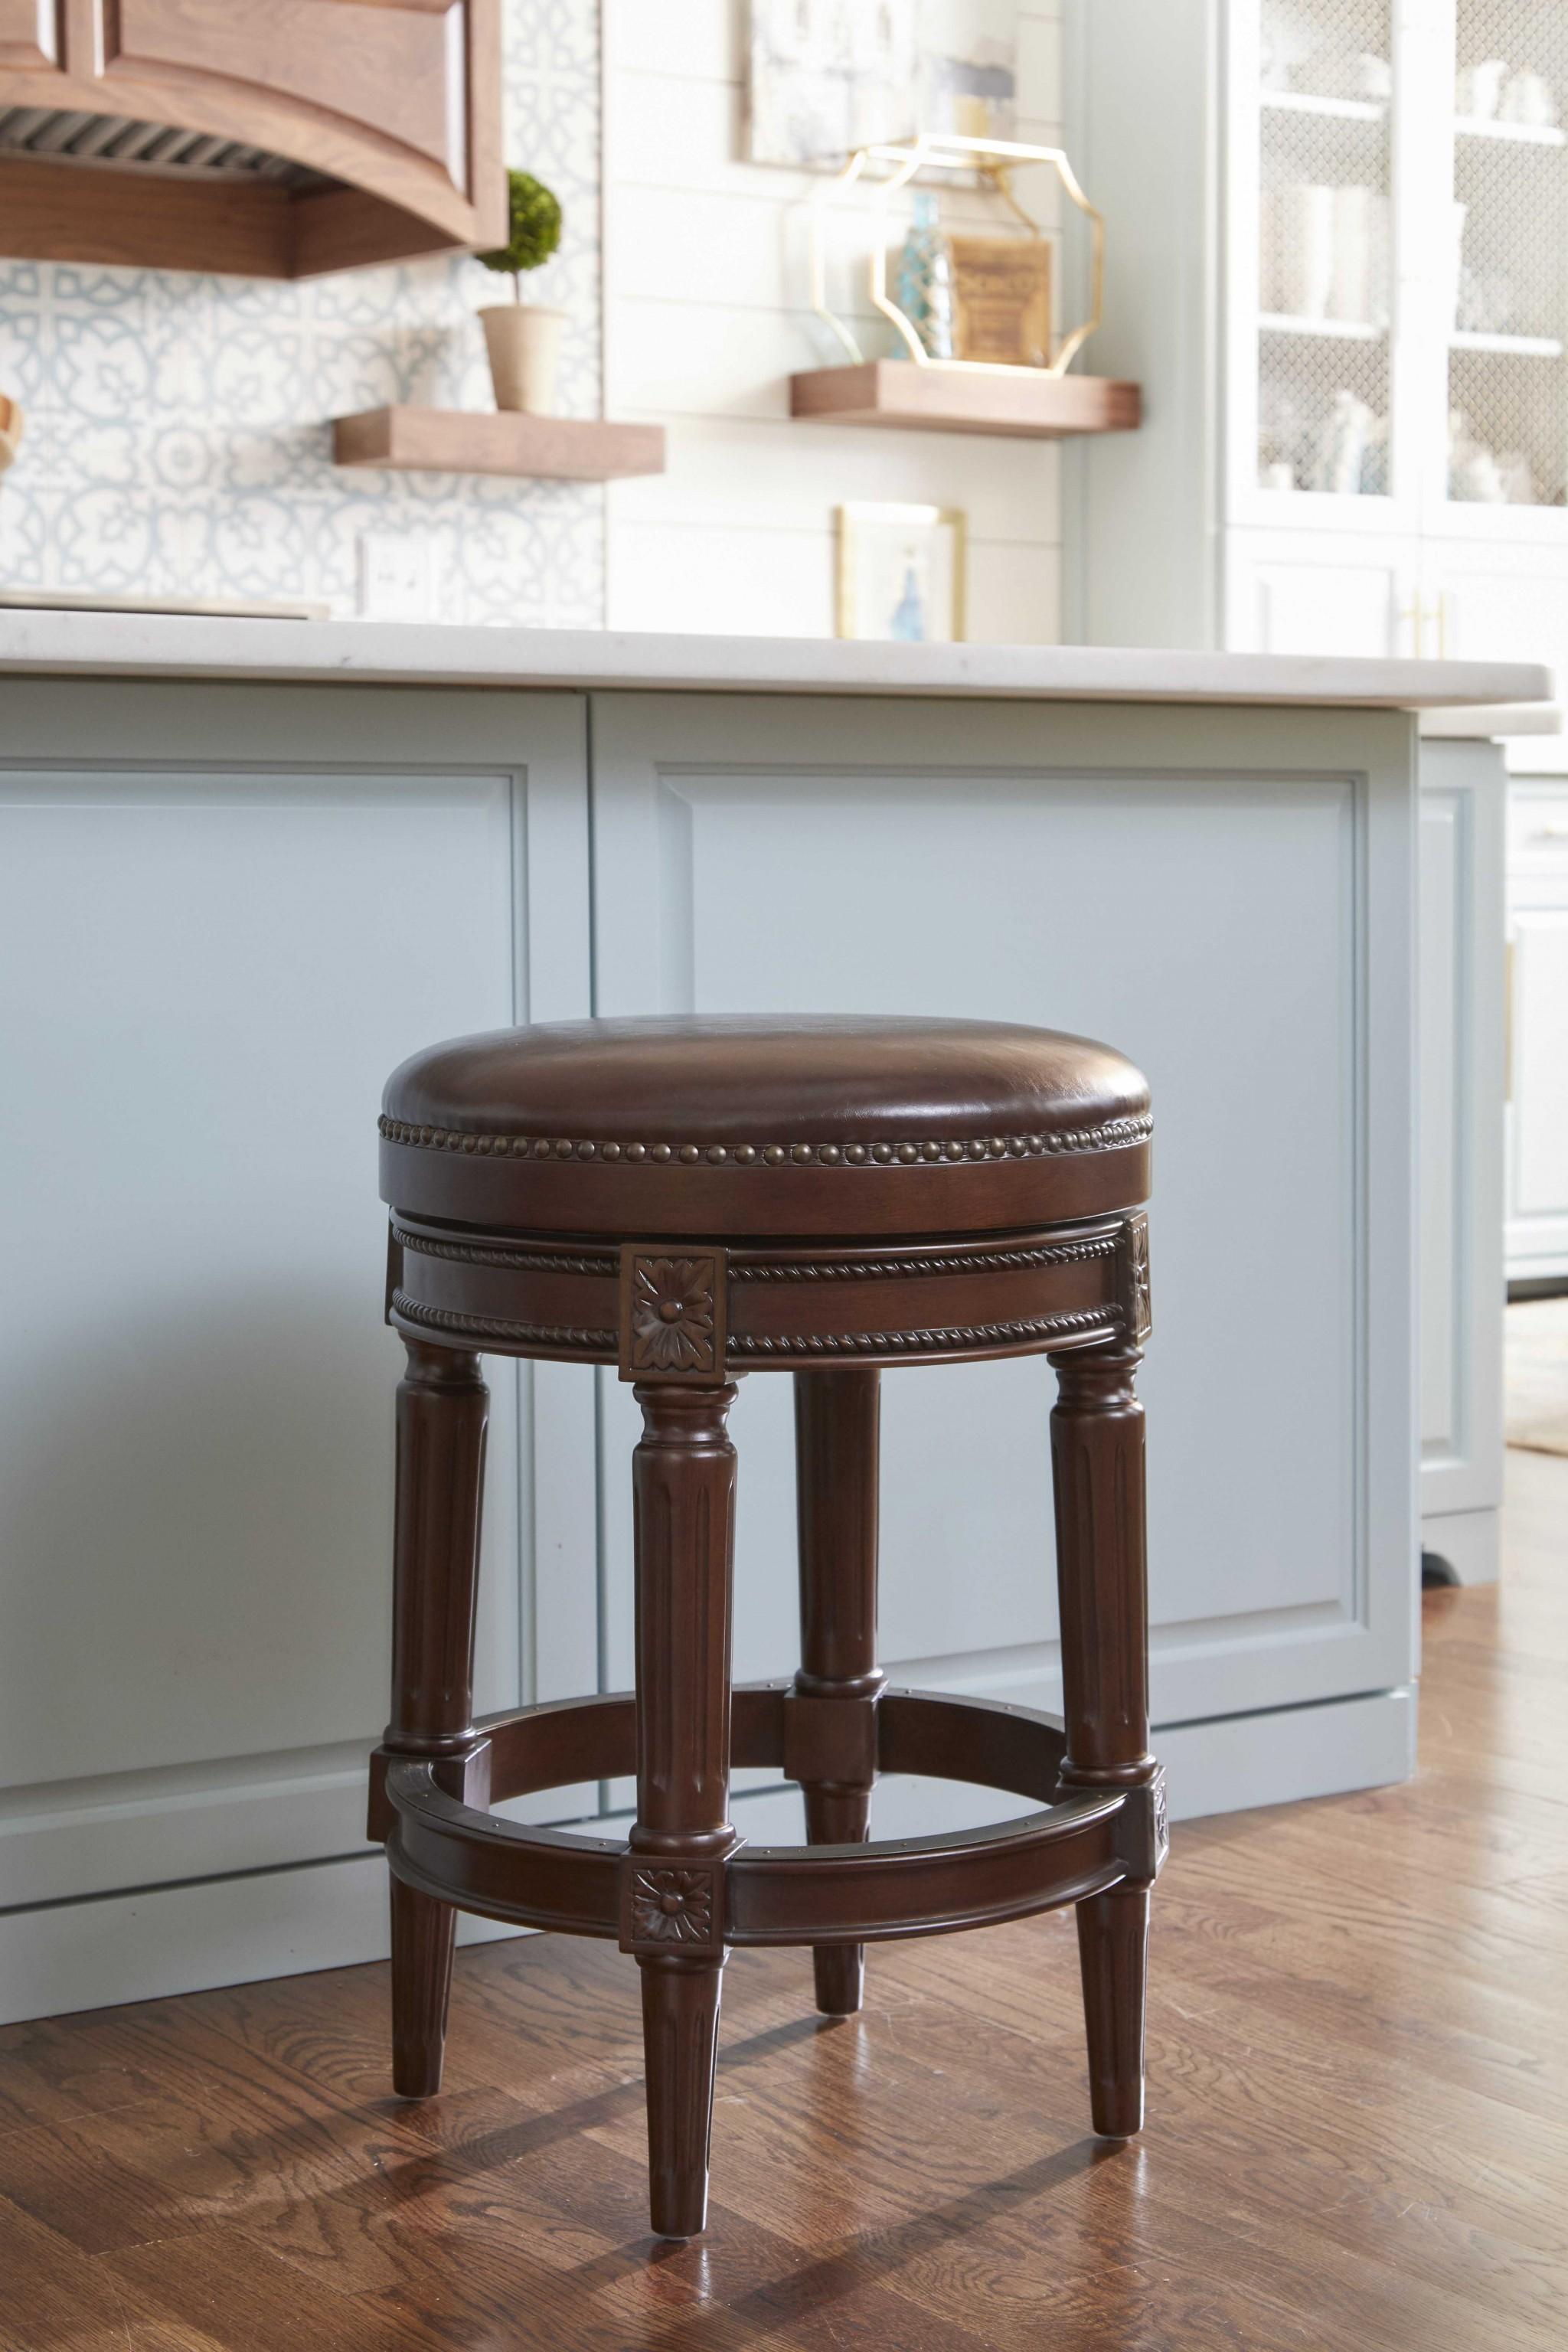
523, 1260
1111, 1135
968, 1335
873, 1269
839, 1343
485, 1327
855, 1269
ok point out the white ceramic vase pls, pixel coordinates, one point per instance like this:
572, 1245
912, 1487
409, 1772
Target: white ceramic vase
523, 340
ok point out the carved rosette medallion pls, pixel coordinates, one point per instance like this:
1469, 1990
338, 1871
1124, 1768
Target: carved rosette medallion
671, 1316
669, 1907
1135, 1276
1144, 1834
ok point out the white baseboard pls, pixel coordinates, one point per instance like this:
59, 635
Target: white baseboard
103, 1951
1470, 1542
1323, 1750
171, 1939
67, 1839
74, 1838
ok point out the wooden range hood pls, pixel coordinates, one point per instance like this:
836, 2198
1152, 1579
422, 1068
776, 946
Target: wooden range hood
260, 138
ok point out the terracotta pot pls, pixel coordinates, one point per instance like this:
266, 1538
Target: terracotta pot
10, 430
524, 344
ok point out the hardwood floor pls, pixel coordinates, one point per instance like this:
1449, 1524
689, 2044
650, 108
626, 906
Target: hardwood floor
1358, 2131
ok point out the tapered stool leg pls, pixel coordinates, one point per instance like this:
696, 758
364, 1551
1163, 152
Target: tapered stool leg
684, 1481
1096, 1450
836, 1414
442, 1408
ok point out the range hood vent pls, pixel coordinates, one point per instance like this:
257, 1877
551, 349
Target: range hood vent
114, 139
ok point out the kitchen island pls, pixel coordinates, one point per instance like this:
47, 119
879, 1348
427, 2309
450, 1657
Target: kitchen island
251, 865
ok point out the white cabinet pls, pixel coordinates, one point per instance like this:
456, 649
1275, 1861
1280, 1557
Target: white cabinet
1314, 259
1301, 593
1477, 599
1537, 1228
1355, 328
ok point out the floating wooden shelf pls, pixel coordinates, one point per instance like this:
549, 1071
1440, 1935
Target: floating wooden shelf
472, 441
1022, 402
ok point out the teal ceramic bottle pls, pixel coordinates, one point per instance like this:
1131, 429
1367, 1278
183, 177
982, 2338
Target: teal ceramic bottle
924, 286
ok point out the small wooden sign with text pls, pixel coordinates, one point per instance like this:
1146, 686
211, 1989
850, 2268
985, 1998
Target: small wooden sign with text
1002, 299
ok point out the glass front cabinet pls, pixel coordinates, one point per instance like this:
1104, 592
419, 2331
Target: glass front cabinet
1394, 315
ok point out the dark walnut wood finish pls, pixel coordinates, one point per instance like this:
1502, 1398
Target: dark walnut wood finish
690, 1201
443, 1407
831, 1743
672, 1887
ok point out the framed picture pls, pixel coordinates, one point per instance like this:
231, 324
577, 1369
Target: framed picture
829, 76
902, 573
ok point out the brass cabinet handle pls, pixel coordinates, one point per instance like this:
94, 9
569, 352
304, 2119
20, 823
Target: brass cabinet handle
1416, 613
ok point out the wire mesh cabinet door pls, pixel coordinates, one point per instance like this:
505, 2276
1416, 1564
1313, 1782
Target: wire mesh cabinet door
1505, 323
1314, 319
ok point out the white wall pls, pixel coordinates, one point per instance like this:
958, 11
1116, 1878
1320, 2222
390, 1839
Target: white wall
706, 316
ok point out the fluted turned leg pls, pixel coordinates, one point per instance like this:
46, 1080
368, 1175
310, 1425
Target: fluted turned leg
1096, 1450
442, 1408
684, 1478
837, 1416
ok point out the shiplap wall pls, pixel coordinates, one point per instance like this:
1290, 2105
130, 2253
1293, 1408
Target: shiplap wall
706, 316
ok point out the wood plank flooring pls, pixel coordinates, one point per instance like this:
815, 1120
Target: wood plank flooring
1358, 2135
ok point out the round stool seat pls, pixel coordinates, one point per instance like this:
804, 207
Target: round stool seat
766, 1126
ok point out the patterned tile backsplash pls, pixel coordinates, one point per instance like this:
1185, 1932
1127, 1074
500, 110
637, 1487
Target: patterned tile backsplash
178, 438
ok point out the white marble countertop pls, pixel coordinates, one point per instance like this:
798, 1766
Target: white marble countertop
141, 645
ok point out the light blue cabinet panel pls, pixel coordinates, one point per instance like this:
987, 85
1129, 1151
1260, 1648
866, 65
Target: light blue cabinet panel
220, 973
225, 914
1230, 903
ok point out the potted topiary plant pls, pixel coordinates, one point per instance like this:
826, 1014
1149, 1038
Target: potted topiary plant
523, 339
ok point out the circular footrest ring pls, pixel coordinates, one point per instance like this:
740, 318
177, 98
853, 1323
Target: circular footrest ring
1078, 1844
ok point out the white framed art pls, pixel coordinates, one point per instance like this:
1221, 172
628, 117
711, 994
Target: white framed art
902, 573
830, 76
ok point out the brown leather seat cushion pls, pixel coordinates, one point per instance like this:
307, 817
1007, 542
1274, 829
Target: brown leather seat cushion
755, 1125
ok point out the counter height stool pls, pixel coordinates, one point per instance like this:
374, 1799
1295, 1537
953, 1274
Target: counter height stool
692, 1200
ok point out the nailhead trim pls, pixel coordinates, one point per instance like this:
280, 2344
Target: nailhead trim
1113, 1135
